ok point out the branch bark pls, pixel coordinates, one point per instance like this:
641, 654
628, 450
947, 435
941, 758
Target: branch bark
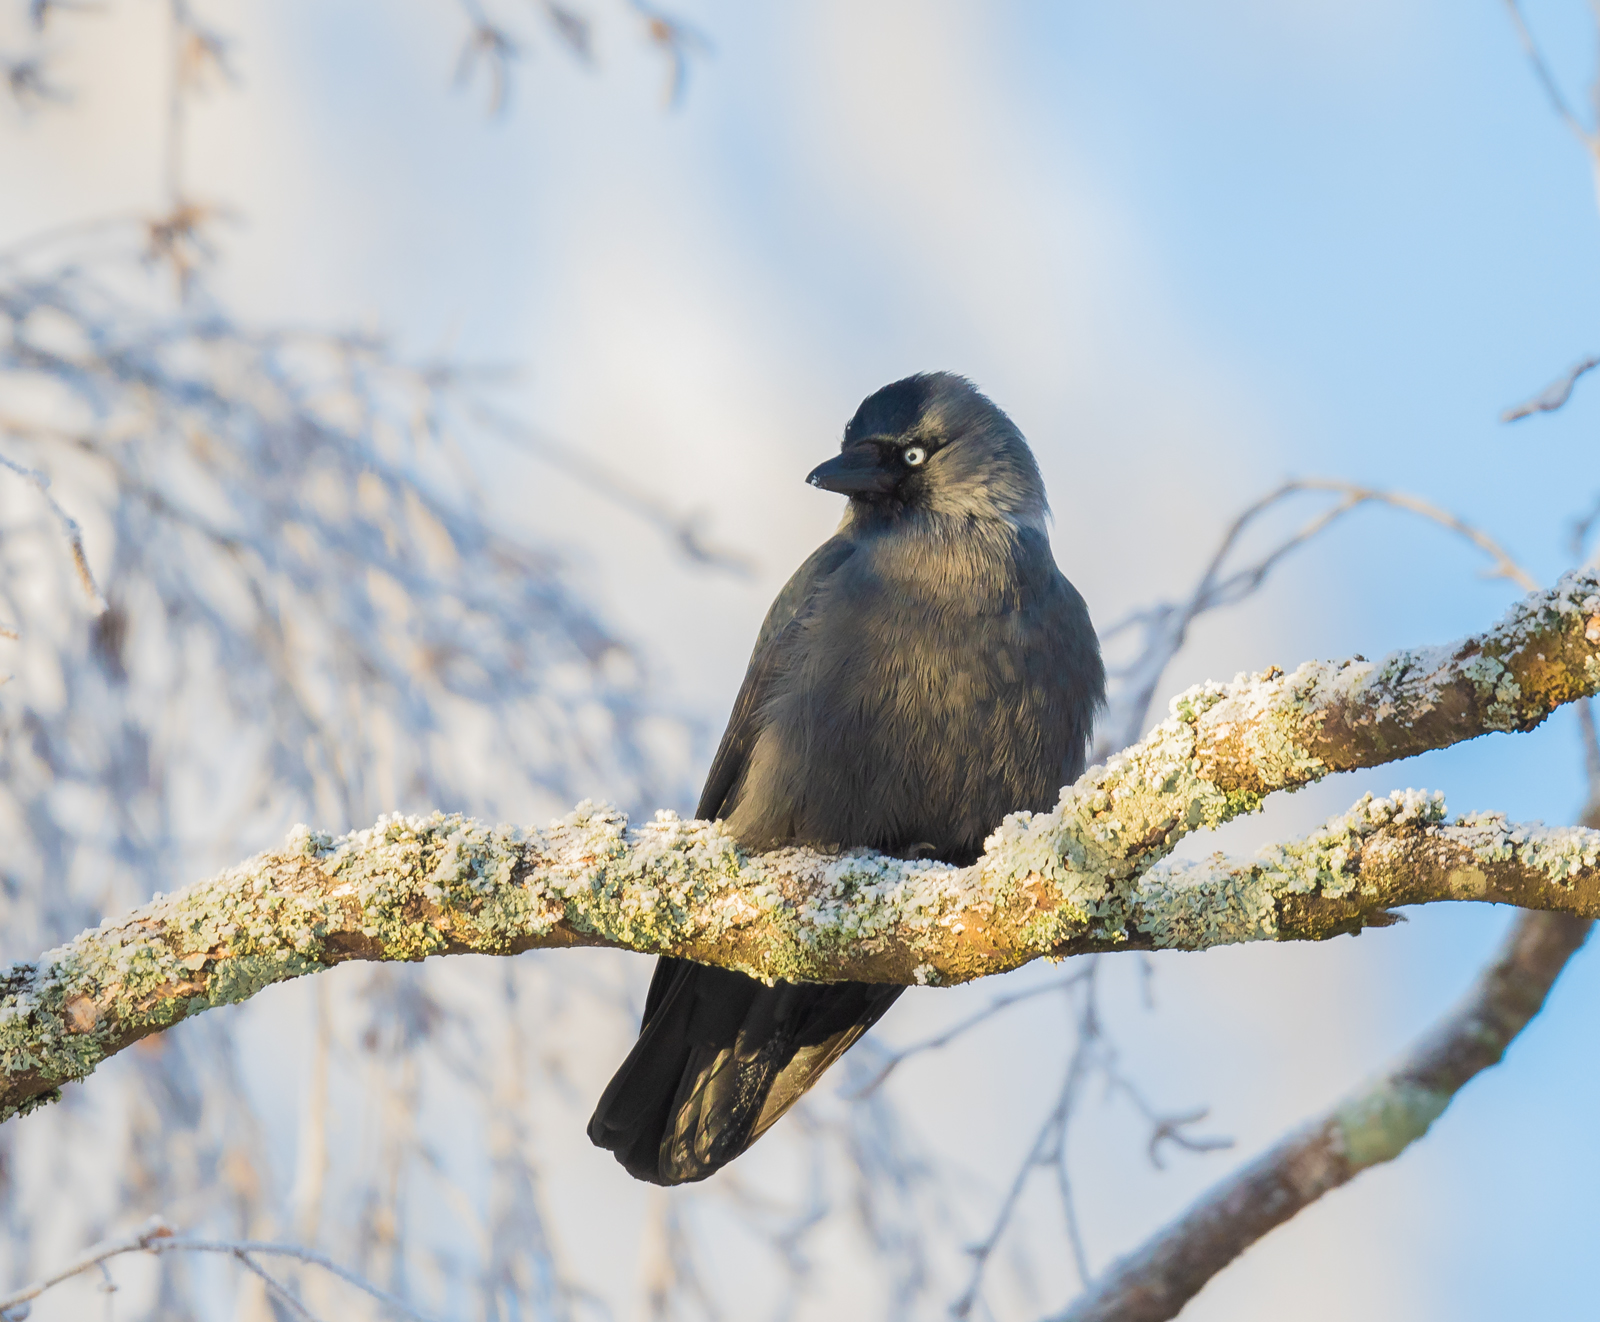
1373, 1125
1087, 876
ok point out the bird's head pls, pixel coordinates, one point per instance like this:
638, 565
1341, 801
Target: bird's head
934, 443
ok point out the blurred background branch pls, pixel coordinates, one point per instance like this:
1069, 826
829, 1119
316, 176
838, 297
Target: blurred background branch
1372, 1125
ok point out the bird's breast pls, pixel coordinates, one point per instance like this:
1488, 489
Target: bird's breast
918, 705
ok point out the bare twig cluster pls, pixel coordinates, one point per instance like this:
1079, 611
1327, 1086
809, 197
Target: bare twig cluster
156, 1236
297, 607
1373, 1124
497, 40
1586, 133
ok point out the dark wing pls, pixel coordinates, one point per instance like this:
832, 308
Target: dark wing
745, 722
720, 1056
744, 725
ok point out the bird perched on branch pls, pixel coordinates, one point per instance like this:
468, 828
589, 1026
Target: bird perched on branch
925, 672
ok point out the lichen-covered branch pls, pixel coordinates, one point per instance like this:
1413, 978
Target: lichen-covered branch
1374, 1124
1088, 876
1379, 856
1224, 748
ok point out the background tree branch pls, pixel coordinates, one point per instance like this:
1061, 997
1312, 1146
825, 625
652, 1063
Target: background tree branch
1373, 1124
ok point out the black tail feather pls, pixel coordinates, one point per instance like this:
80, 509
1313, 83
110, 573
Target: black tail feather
719, 1058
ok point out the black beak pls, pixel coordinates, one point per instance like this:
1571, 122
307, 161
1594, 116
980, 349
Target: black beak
859, 471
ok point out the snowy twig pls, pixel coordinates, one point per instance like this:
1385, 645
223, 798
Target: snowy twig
145, 1237
156, 1236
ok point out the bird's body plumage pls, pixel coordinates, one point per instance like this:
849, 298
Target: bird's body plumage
927, 670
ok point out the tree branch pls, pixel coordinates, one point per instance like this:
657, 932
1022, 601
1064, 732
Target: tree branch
1080, 878
156, 1236
143, 1238
1554, 395
1372, 1125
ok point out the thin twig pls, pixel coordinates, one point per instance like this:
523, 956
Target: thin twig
686, 530
491, 44
678, 42
982, 1251
275, 1287
1591, 760
949, 1035
1547, 78
144, 1238
1166, 626
155, 1236
69, 525
1580, 529
299, 1254
1506, 566
1554, 395
1371, 1126
1085, 1057
1093, 1055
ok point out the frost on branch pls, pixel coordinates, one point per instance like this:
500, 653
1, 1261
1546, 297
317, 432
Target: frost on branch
1088, 876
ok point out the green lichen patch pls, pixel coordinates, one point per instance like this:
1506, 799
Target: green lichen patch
1220, 901
650, 888
1323, 862
1183, 905
1379, 1124
1498, 691
1560, 855
421, 886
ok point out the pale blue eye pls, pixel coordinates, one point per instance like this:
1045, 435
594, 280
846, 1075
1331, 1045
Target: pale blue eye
914, 455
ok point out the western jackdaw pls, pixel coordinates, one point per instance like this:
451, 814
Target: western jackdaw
925, 672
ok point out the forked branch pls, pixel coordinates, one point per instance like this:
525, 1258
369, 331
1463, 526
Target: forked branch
1083, 877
